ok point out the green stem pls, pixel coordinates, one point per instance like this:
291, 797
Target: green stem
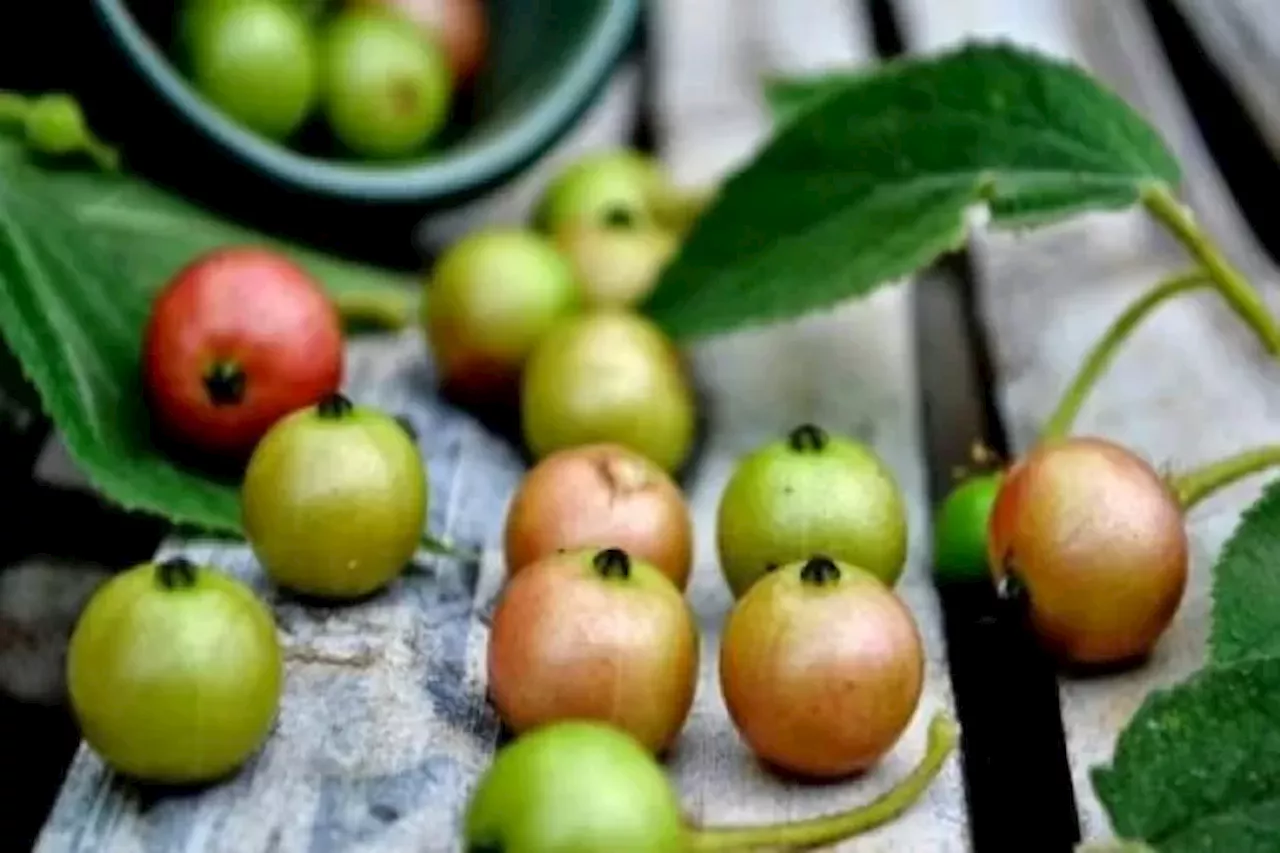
1234, 287
1195, 485
807, 834
1104, 351
389, 308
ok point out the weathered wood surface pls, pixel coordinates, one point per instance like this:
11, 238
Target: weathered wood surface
384, 724
1192, 385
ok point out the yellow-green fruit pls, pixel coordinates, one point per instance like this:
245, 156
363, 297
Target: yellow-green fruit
616, 266
174, 672
492, 297
335, 500
810, 494
609, 376
615, 185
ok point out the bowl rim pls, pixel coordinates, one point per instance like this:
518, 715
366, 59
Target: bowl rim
458, 175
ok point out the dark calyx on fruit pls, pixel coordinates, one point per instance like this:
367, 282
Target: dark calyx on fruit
807, 438
820, 571
176, 573
612, 563
225, 383
333, 407
620, 217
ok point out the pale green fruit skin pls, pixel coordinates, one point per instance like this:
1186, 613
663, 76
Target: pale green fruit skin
608, 376
782, 505
174, 686
575, 787
256, 60
592, 187
617, 267
335, 507
490, 299
387, 87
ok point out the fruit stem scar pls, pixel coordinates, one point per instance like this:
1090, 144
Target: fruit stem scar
224, 382
334, 406
807, 437
1104, 351
1235, 288
943, 736
612, 563
176, 573
619, 217
820, 571
1192, 487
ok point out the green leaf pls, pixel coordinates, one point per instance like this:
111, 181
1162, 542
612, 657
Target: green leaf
788, 97
1246, 585
154, 234
874, 180
1198, 767
73, 316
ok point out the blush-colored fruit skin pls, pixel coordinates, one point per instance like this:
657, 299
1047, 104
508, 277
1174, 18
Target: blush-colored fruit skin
821, 679
491, 299
1098, 541
568, 642
250, 309
613, 376
461, 26
600, 496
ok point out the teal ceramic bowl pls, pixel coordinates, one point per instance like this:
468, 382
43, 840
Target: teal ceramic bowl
547, 61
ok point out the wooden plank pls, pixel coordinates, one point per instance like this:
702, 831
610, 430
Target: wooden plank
384, 723
852, 370
1047, 296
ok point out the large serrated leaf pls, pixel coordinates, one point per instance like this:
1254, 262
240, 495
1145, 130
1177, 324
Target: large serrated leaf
1198, 767
873, 181
73, 316
1246, 586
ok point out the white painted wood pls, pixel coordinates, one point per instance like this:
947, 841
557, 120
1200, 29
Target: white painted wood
1190, 387
851, 369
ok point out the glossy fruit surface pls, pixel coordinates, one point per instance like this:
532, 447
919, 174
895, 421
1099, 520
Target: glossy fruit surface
594, 635
1097, 541
461, 27
822, 667
608, 376
810, 493
617, 266
174, 673
491, 298
960, 529
609, 186
238, 339
574, 787
600, 496
335, 500
257, 60
387, 86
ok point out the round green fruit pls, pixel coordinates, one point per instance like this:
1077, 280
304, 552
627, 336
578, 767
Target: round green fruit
618, 267
335, 500
491, 298
256, 60
810, 493
174, 673
608, 376
574, 787
387, 86
616, 187
960, 530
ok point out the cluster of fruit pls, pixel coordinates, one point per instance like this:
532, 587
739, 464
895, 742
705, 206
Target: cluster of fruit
383, 73
544, 318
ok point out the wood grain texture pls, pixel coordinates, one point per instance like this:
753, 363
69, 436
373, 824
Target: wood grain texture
851, 370
1191, 386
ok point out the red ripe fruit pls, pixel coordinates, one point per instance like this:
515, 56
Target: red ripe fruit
1097, 540
239, 338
